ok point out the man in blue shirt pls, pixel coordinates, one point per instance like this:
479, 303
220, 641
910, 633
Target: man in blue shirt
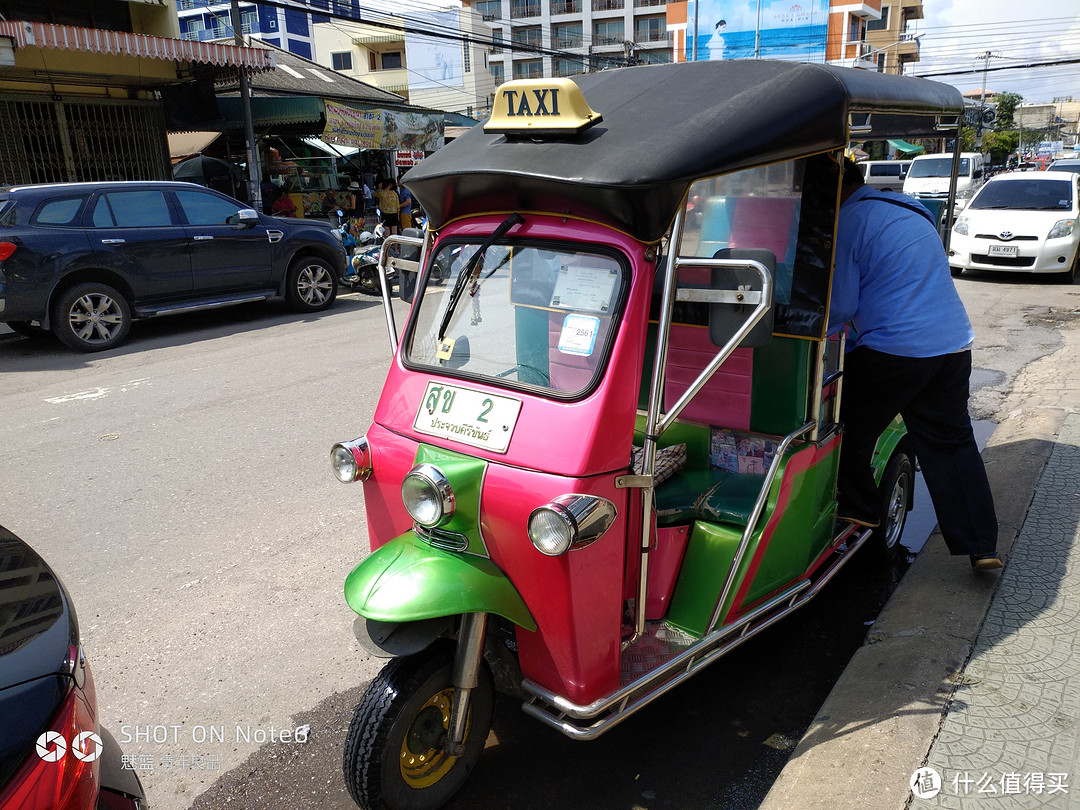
909, 353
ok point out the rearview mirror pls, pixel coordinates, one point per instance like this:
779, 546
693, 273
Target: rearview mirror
247, 217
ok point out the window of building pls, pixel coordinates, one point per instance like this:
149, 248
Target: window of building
567, 35
608, 32
653, 57
650, 29
387, 61
532, 36
466, 60
569, 67
529, 69
497, 38
490, 9
524, 8
341, 60
882, 24
498, 73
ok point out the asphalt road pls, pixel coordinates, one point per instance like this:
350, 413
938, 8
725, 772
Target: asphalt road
180, 487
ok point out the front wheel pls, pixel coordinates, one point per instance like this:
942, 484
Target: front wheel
395, 751
310, 285
897, 486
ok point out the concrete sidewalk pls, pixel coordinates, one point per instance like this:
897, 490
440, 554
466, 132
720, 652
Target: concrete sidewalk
976, 676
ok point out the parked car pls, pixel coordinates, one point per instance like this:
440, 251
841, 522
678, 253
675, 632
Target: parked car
85, 259
1020, 221
53, 753
1065, 165
929, 176
888, 175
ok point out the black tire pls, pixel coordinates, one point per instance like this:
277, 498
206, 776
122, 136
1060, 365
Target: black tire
897, 485
956, 271
310, 285
369, 280
26, 329
91, 317
1069, 276
394, 752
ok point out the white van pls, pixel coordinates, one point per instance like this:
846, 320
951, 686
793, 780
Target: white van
888, 175
928, 176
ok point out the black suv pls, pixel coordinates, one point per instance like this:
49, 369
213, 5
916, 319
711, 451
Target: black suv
84, 259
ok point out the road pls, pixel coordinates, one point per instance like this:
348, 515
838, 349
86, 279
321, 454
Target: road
180, 486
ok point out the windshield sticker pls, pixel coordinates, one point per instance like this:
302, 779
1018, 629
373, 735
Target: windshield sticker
586, 289
471, 417
579, 335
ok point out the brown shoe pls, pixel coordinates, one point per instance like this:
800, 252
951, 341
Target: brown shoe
986, 562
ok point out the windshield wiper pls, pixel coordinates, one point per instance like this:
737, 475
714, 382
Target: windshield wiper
470, 266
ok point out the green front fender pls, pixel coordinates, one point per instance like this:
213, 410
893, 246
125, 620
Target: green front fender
407, 580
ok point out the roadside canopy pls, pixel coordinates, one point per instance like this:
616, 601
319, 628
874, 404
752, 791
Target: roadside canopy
905, 148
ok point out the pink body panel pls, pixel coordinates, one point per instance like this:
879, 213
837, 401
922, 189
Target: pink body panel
576, 599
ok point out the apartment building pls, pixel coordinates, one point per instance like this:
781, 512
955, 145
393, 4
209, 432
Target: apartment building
535, 38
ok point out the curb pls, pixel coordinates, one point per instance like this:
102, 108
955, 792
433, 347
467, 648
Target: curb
881, 717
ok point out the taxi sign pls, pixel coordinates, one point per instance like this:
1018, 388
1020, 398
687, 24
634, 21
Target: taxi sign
534, 107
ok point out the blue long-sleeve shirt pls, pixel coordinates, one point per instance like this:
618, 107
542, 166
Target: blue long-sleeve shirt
892, 279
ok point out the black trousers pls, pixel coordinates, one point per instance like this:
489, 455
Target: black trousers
931, 393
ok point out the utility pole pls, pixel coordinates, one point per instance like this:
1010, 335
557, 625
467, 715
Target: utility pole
982, 101
254, 186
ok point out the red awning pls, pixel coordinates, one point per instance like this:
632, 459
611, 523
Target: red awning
97, 40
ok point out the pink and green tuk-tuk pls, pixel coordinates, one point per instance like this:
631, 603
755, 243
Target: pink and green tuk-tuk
605, 453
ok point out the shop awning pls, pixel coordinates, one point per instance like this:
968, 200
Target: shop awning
273, 112
333, 150
185, 144
905, 147
95, 40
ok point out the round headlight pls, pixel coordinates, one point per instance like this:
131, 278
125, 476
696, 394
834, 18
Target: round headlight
551, 531
351, 460
427, 496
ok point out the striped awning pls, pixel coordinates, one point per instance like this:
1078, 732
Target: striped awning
96, 40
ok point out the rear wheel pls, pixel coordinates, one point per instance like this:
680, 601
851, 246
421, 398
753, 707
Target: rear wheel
395, 751
897, 485
310, 285
91, 317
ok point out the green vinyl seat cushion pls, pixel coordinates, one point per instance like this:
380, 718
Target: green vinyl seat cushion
714, 496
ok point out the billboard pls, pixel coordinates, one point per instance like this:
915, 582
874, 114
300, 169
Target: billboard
795, 30
434, 62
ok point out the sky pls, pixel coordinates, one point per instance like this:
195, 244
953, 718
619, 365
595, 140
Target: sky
956, 33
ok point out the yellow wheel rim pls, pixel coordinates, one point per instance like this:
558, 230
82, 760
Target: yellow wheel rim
424, 760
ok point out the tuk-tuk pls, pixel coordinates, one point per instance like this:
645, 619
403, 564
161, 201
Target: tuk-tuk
606, 450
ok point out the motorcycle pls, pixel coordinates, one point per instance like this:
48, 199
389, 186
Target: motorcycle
364, 250
605, 453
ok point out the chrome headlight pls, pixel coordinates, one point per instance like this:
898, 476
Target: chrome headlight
961, 226
570, 522
351, 460
427, 495
1062, 228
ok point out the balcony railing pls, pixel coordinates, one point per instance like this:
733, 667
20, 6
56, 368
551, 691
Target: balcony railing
649, 3
569, 41
565, 7
652, 37
608, 39
607, 5
523, 10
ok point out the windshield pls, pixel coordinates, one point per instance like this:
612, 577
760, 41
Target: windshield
1025, 195
528, 315
937, 167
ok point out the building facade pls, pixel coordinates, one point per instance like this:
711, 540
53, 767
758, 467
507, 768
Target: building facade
535, 38
451, 72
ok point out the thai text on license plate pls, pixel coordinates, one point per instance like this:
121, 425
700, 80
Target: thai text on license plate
471, 417
1003, 250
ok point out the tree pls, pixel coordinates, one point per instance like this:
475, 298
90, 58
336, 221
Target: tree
1006, 109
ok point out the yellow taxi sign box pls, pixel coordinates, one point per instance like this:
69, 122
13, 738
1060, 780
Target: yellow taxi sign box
533, 107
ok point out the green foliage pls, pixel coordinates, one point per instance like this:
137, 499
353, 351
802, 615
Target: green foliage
1006, 109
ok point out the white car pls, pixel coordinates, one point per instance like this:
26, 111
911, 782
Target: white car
1027, 222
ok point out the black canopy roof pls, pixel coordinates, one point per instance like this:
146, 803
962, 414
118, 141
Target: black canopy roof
664, 127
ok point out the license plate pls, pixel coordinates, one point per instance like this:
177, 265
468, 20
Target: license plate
471, 417
1003, 250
